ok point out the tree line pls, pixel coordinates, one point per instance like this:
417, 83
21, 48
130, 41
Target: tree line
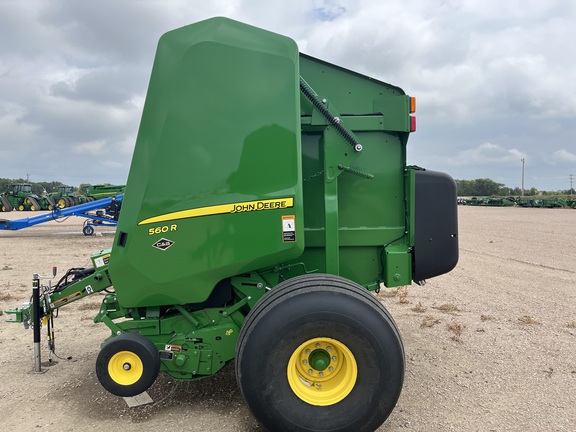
487, 187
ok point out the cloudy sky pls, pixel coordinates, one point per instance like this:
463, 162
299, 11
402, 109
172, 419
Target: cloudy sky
495, 80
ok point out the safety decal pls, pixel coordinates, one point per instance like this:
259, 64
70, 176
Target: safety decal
240, 207
163, 244
173, 348
101, 261
66, 299
288, 229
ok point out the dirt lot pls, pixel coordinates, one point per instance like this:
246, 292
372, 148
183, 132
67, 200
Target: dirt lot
489, 347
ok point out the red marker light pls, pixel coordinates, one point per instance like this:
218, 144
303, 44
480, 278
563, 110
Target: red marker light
412, 124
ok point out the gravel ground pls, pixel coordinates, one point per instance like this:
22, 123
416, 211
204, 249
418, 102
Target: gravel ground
490, 346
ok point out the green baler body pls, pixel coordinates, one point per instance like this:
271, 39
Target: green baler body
217, 164
255, 164
235, 171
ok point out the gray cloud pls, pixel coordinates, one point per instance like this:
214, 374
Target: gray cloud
494, 80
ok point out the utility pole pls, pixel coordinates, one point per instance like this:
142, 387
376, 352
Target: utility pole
522, 176
571, 189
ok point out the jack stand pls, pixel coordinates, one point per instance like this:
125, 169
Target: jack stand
36, 322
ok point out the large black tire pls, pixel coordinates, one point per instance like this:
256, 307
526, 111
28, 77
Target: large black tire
34, 206
320, 353
5, 205
128, 364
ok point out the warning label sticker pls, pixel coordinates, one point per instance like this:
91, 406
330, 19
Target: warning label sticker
66, 299
288, 229
102, 261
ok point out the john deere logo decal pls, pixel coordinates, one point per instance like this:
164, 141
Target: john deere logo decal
239, 207
163, 244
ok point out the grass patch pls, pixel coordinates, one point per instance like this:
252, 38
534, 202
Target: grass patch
402, 293
429, 321
419, 308
528, 320
456, 328
448, 308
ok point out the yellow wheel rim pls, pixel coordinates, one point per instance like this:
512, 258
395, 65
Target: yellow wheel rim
27, 201
322, 371
61, 203
125, 368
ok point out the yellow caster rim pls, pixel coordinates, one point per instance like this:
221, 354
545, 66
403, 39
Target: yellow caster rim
322, 371
125, 368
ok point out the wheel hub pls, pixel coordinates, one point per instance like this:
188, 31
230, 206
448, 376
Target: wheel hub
319, 359
322, 371
125, 368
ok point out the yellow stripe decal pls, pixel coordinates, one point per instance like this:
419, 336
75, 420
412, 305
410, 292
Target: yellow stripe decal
241, 207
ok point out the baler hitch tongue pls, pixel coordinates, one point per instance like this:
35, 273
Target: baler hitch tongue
20, 315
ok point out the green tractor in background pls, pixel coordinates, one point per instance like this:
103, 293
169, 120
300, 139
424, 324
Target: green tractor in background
66, 196
20, 197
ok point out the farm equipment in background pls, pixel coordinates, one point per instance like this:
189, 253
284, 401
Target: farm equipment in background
103, 191
20, 197
500, 201
542, 202
474, 201
66, 196
570, 202
103, 212
489, 201
268, 198
538, 202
